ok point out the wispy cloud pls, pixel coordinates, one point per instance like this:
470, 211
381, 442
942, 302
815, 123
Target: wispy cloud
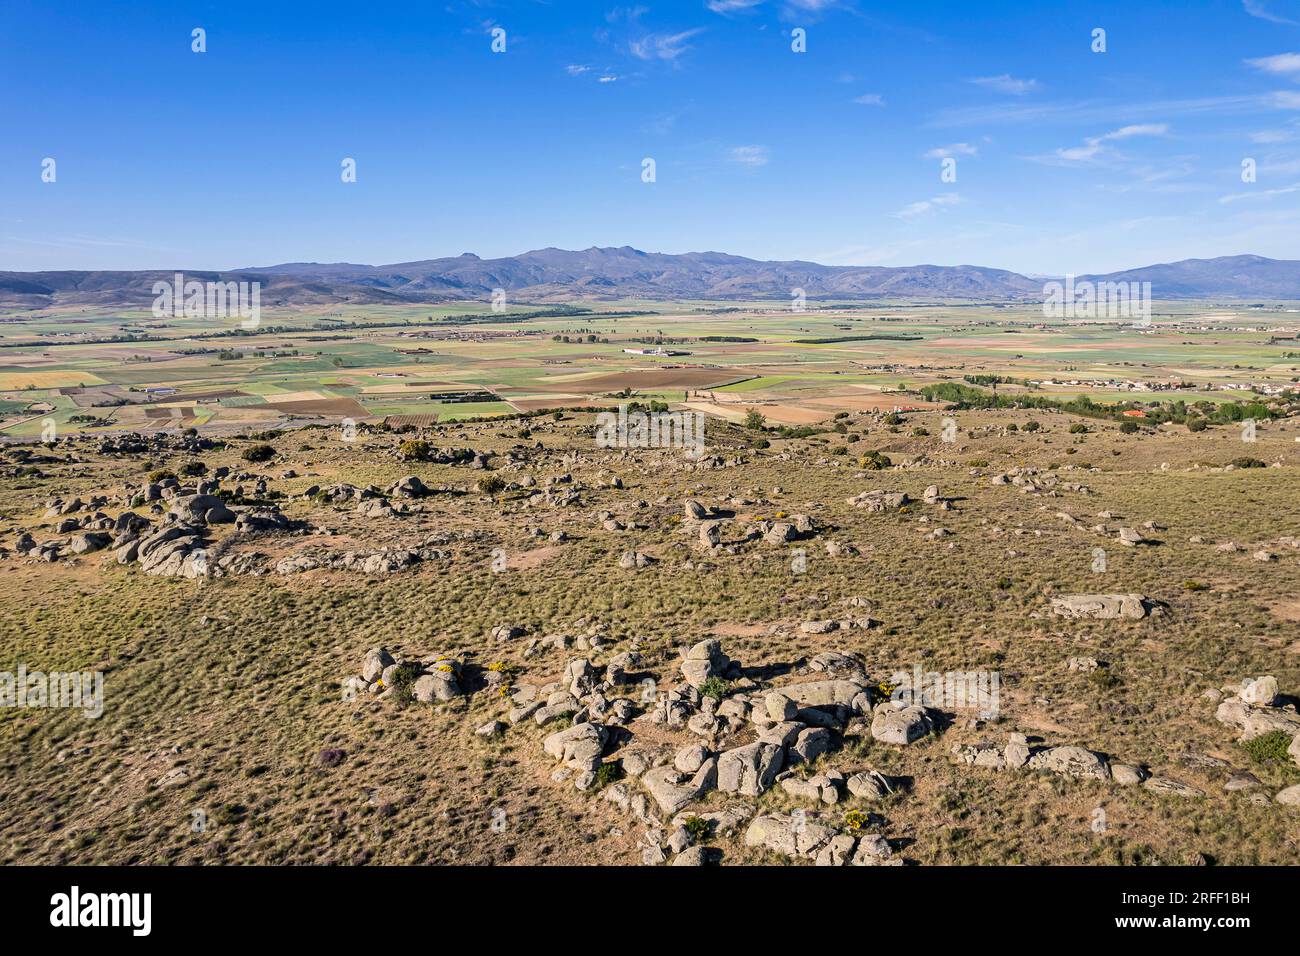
870, 99
628, 14
953, 149
749, 155
663, 46
731, 6
1266, 137
1280, 64
580, 69
1261, 195
812, 7
1256, 8
1280, 167
928, 207
1006, 83
1105, 111
1094, 148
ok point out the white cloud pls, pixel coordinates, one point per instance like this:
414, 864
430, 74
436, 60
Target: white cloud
1100, 111
1267, 136
1281, 64
870, 99
576, 69
630, 14
1095, 146
953, 149
812, 6
749, 155
1256, 8
1286, 100
1006, 84
732, 6
928, 207
663, 46
1138, 129
1259, 195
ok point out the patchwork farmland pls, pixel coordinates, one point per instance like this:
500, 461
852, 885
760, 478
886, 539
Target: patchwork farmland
131, 371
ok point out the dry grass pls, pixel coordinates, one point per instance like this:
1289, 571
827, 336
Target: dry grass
247, 701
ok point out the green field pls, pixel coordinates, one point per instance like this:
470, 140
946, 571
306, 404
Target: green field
317, 359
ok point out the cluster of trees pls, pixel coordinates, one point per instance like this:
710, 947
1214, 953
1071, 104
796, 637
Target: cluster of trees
1178, 411
994, 380
874, 336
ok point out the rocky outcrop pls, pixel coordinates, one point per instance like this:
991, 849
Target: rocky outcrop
704, 660
1104, 607
892, 724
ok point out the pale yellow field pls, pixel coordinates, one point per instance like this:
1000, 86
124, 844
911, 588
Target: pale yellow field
38, 379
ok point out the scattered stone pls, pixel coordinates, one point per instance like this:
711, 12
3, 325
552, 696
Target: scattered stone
1171, 786
1126, 774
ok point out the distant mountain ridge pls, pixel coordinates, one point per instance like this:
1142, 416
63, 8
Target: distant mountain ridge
553, 275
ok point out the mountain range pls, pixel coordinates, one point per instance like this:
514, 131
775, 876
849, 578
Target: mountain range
554, 275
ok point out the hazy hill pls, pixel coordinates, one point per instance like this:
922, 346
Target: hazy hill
623, 272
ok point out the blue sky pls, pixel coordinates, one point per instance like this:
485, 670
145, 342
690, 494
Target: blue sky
1066, 160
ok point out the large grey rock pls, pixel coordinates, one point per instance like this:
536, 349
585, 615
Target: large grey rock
820, 788
790, 836
749, 770
779, 707
373, 664
1126, 774
673, 790
1256, 721
837, 852
872, 850
824, 693
690, 758
580, 677
435, 686
782, 735
869, 785
1102, 606
1261, 692
692, 856
1016, 753
178, 557
196, 507
579, 746
811, 744
1071, 762
89, 542
704, 660
895, 725
1290, 796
